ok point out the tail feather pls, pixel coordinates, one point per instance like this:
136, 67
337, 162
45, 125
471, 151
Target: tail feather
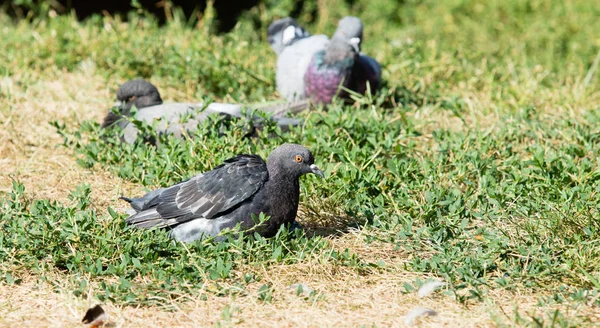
144, 215
133, 202
127, 199
145, 202
149, 219
276, 109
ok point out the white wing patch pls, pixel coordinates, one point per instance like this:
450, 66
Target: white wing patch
288, 34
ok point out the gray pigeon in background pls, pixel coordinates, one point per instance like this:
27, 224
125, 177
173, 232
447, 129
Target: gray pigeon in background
284, 32
341, 63
295, 60
171, 117
135, 93
231, 193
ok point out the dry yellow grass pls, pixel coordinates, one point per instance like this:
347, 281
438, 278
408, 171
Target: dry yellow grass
29, 154
30, 145
347, 301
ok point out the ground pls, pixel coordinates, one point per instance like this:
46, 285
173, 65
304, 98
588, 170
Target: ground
494, 111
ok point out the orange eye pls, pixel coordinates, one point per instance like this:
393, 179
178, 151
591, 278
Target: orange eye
298, 159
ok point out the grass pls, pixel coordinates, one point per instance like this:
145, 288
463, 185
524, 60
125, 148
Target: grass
477, 164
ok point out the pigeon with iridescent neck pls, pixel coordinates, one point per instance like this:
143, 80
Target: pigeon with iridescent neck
341, 64
292, 62
294, 59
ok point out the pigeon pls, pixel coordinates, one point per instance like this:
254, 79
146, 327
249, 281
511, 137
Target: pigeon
135, 93
340, 63
231, 193
292, 63
284, 32
146, 99
295, 59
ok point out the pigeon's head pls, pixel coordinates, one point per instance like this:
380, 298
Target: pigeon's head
350, 29
284, 32
140, 93
293, 160
346, 40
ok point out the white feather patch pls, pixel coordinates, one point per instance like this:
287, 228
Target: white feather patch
288, 34
195, 229
429, 287
416, 313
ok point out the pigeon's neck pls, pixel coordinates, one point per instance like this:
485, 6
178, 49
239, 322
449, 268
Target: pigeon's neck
283, 193
338, 51
277, 174
282, 183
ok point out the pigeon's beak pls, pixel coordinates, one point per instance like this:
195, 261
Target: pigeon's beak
315, 169
355, 43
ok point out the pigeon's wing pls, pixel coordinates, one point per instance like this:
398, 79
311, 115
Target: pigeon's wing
284, 32
366, 69
167, 118
216, 191
373, 65
203, 196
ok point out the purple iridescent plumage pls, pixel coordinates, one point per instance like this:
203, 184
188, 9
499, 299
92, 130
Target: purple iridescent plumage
322, 80
341, 64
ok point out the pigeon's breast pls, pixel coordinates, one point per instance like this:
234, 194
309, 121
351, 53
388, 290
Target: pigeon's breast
283, 197
322, 81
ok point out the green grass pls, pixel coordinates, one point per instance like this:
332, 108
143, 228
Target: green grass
504, 197
46, 236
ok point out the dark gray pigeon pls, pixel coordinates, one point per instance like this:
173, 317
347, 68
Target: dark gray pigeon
296, 60
169, 116
284, 32
231, 193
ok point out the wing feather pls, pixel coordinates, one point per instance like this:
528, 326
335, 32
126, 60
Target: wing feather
203, 196
215, 191
366, 69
